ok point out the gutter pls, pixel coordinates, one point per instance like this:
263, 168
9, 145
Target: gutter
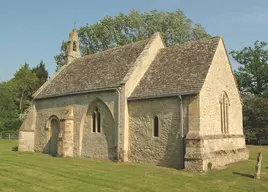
163, 95
118, 123
79, 92
182, 139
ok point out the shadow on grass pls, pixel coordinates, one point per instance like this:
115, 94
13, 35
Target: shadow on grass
15, 148
244, 175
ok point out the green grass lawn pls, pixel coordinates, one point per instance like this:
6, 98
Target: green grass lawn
23, 171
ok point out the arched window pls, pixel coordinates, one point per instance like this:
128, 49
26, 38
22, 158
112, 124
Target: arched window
93, 122
96, 121
156, 127
224, 105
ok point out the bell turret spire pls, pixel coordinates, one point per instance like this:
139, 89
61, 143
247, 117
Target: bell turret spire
73, 50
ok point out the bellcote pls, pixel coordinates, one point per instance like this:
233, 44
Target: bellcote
73, 50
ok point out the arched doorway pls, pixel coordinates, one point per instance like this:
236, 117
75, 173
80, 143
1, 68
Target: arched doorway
54, 134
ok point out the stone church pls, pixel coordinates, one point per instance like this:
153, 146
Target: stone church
143, 102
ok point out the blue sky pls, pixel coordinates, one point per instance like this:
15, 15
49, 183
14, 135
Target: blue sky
32, 30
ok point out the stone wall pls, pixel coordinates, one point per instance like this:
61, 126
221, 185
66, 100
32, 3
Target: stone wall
85, 142
217, 150
144, 147
211, 145
99, 145
194, 117
30, 121
219, 79
130, 82
67, 129
26, 141
26, 132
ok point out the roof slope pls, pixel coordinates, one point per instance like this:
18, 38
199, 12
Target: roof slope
178, 69
101, 70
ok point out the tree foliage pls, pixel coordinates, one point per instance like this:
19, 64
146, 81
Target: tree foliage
255, 117
175, 28
16, 95
41, 73
24, 84
8, 110
252, 77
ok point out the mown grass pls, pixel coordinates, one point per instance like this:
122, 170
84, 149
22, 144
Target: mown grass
23, 171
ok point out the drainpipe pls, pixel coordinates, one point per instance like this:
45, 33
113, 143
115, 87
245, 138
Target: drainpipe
118, 123
181, 134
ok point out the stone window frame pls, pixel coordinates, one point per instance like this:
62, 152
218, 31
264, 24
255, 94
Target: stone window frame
153, 127
224, 112
96, 121
48, 123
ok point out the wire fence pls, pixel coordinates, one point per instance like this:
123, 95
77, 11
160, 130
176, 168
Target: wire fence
9, 136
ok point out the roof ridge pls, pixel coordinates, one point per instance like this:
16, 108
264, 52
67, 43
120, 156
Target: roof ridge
196, 41
114, 48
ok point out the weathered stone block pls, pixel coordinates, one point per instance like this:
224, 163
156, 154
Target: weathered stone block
26, 141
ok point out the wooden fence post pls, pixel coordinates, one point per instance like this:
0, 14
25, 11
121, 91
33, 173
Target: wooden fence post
258, 166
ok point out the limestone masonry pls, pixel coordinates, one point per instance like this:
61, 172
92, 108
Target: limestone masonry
174, 106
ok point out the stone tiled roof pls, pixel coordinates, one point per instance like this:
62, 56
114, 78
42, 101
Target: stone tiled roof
178, 69
101, 70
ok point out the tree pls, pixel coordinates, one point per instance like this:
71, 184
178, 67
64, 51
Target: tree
16, 95
8, 110
175, 28
41, 73
23, 85
252, 76
255, 116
